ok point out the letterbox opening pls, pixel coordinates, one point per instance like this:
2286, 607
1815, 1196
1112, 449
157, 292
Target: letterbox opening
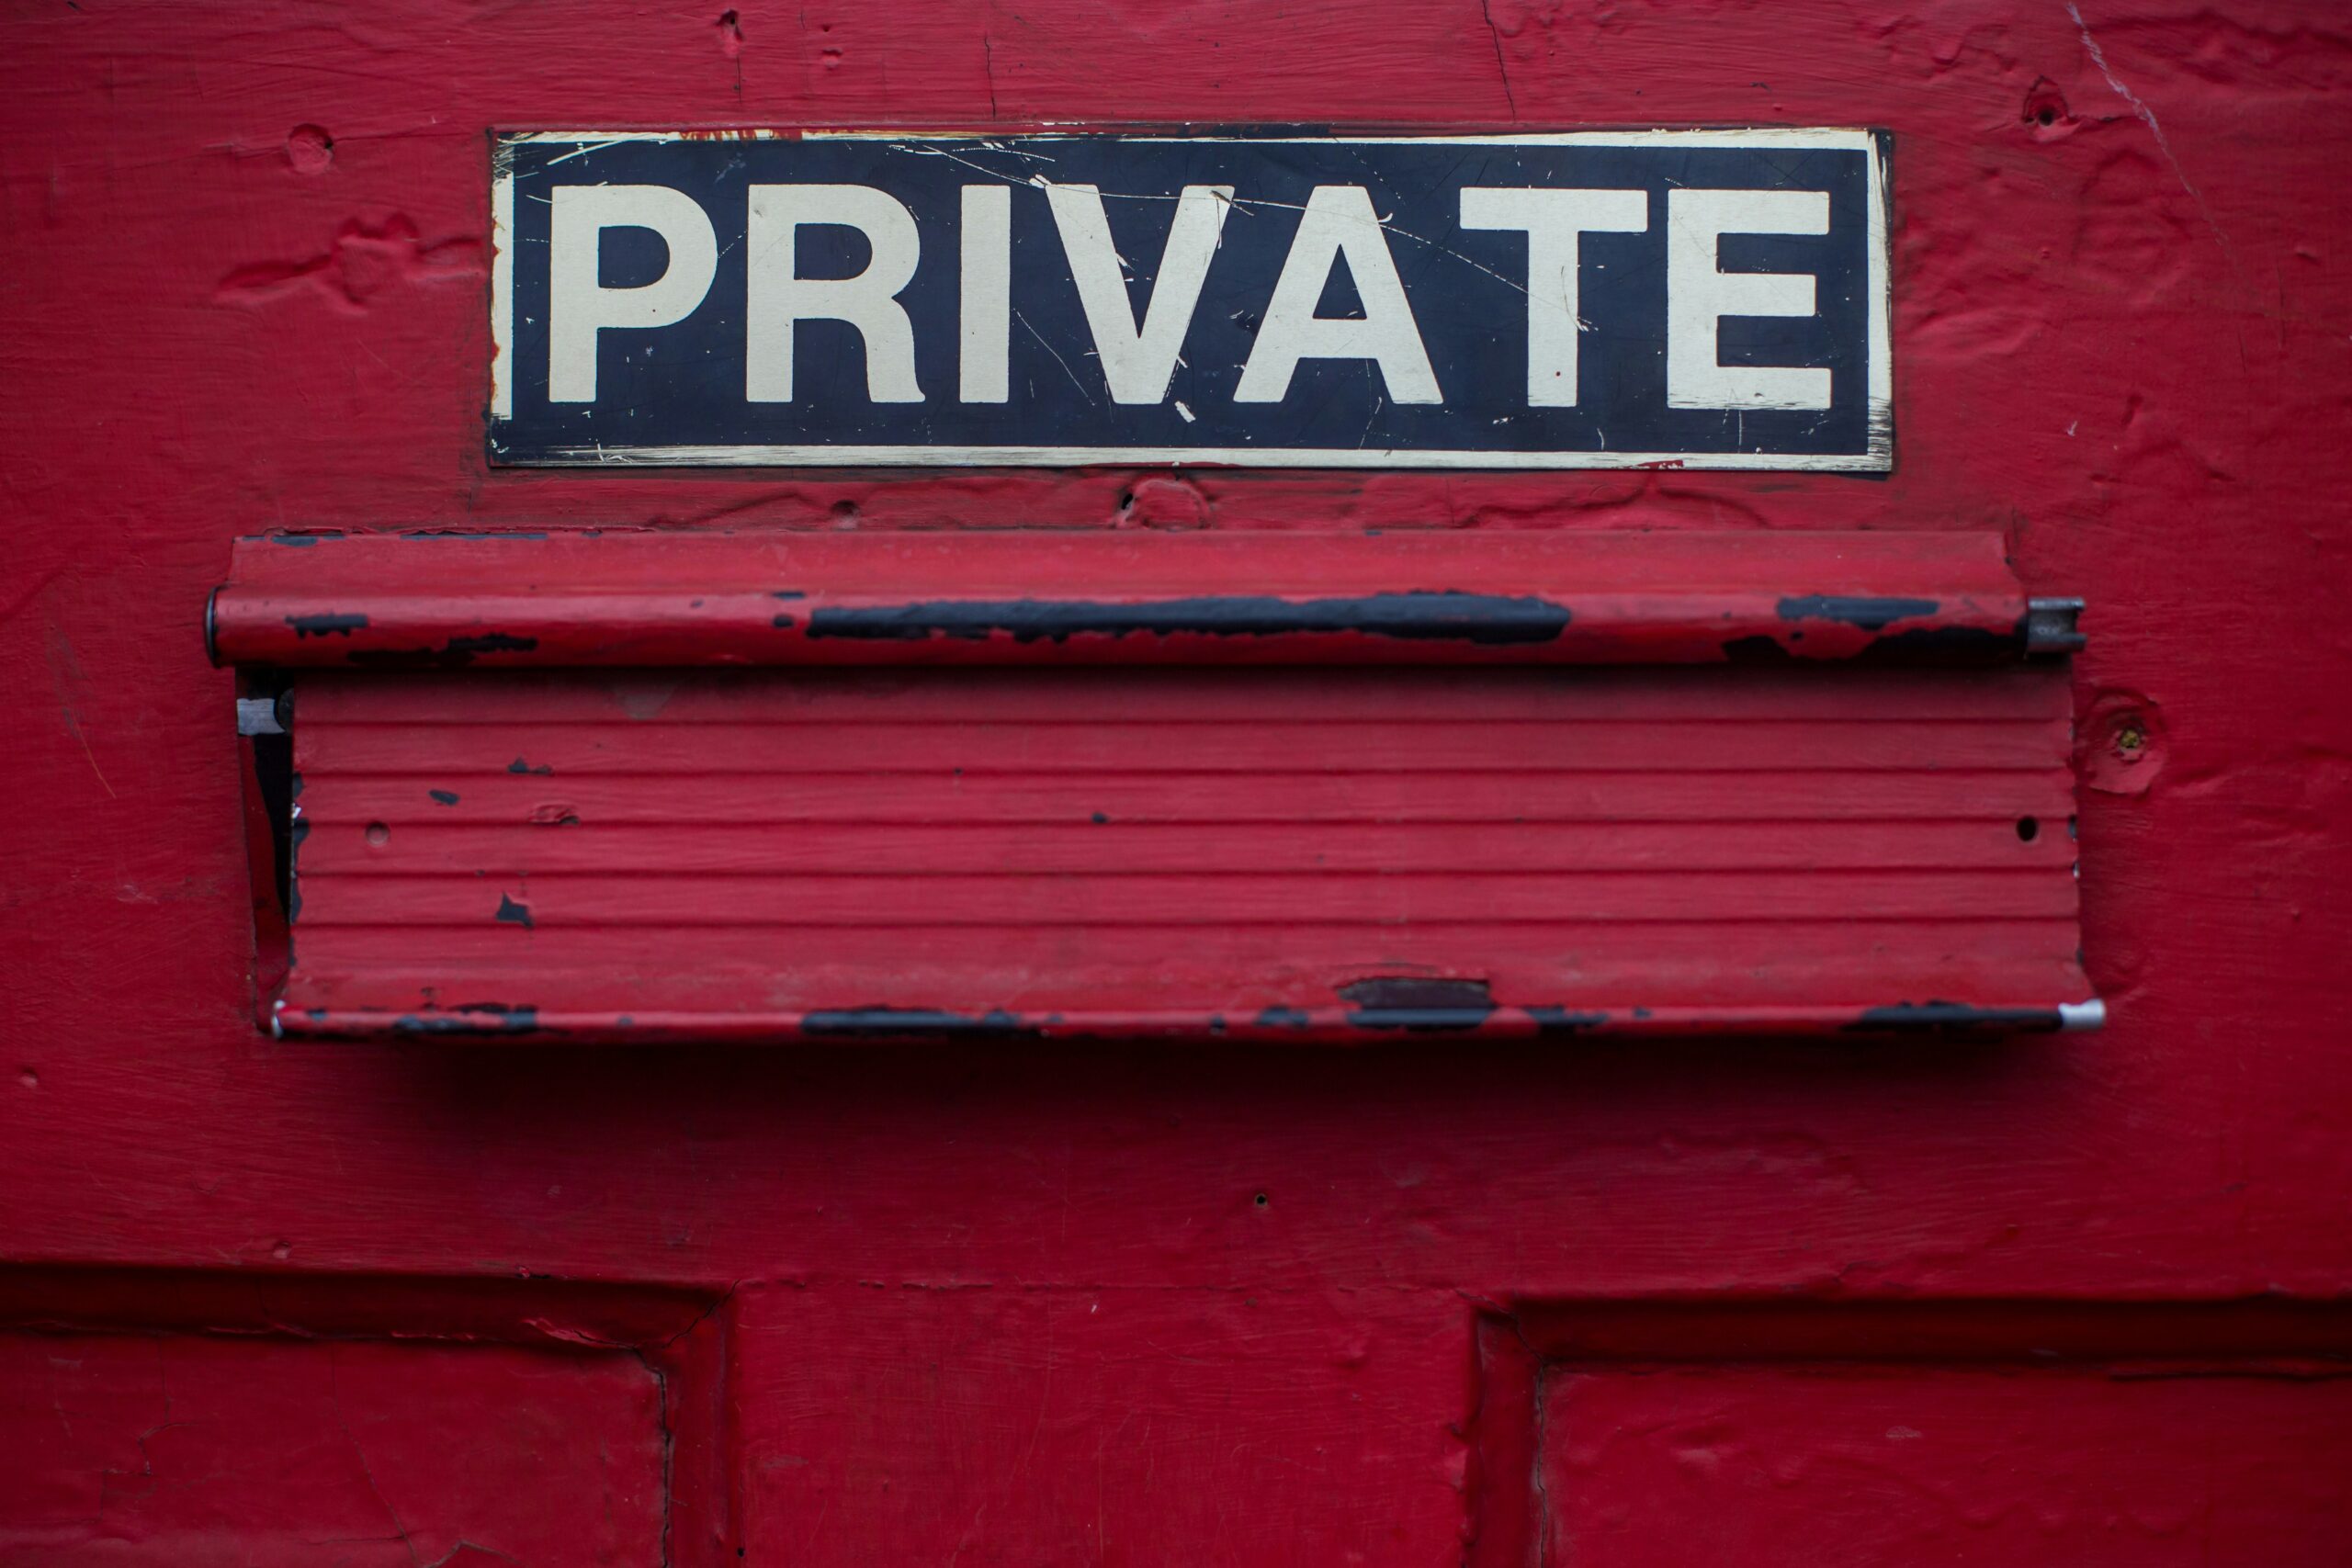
623, 786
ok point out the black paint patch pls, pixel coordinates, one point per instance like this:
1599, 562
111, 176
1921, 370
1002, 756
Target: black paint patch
328, 624
879, 1023
1939, 1017
513, 913
1757, 650
520, 766
488, 642
1421, 1021
1872, 614
444, 796
1565, 1020
297, 831
455, 654
1419, 993
1442, 614
784, 623
1283, 1018
471, 1017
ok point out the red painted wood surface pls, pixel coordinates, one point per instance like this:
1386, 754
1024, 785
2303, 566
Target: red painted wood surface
1088, 1303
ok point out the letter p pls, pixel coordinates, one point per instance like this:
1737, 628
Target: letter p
578, 306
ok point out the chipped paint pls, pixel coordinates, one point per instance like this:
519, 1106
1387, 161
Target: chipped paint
326, 623
709, 599
1442, 614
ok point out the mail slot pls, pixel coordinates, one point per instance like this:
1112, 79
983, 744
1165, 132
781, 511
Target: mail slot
623, 785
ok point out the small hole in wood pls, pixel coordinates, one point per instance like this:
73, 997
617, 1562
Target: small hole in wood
2029, 829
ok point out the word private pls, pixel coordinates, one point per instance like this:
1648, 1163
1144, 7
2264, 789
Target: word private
1700, 298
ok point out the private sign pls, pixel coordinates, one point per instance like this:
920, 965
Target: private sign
1700, 298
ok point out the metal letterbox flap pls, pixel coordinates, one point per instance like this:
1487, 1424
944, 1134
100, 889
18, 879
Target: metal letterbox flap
628, 785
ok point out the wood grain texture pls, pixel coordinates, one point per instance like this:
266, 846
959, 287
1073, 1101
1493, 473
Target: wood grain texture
245, 257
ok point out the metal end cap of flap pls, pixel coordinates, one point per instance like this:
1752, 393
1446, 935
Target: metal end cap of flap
2050, 625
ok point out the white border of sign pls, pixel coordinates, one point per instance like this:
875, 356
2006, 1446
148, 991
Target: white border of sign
1878, 460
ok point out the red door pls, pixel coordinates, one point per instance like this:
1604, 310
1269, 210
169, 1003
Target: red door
1574, 1080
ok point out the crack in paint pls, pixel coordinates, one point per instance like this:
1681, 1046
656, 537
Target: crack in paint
335, 1402
1242, 203
2156, 129
1494, 35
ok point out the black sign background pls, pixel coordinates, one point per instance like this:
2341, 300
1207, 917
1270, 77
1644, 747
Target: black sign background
684, 402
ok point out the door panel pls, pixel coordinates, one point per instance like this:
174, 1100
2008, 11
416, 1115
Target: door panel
187, 1450
1768, 1467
